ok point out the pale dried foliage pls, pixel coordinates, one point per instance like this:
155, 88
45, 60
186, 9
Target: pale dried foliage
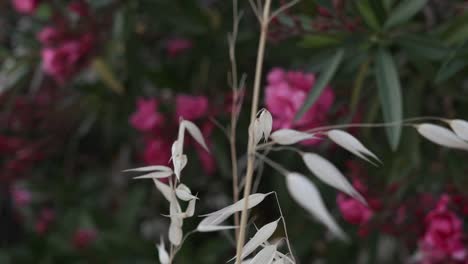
259, 248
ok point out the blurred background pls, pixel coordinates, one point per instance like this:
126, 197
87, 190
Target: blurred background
90, 88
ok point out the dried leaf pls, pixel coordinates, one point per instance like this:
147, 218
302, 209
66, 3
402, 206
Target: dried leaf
191, 208
211, 223
162, 253
265, 256
255, 131
151, 168
289, 136
442, 136
155, 175
195, 133
460, 127
304, 192
262, 235
350, 143
329, 174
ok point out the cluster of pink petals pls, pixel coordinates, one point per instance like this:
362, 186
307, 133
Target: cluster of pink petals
159, 131
286, 92
27, 7
65, 53
443, 238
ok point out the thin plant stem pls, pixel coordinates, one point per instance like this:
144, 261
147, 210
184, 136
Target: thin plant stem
284, 227
234, 112
251, 143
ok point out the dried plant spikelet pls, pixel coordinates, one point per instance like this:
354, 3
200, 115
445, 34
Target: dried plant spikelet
441, 136
254, 200
460, 127
155, 175
304, 192
262, 236
266, 123
175, 211
159, 168
195, 132
184, 193
352, 144
289, 136
162, 253
329, 174
175, 234
265, 256
212, 223
179, 164
255, 131
164, 189
190, 211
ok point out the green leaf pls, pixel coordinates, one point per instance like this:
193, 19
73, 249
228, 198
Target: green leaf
404, 11
320, 40
452, 64
323, 80
368, 14
423, 46
390, 95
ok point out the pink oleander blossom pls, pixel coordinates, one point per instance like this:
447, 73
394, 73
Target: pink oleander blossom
79, 7
49, 36
191, 107
27, 7
353, 211
177, 46
146, 118
443, 238
157, 152
285, 93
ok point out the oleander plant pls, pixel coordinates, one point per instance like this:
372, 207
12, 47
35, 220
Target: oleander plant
241, 131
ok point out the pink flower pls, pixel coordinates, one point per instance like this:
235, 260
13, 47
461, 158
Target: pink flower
146, 118
191, 107
83, 238
27, 7
177, 46
157, 152
443, 237
49, 36
79, 7
21, 196
286, 92
353, 211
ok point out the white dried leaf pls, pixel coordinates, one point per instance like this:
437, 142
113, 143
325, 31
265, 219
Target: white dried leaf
262, 235
441, 136
254, 200
289, 136
195, 133
150, 168
162, 253
266, 123
175, 211
164, 189
176, 149
329, 174
179, 164
265, 256
155, 175
175, 234
213, 228
212, 223
460, 127
255, 131
352, 144
184, 193
190, 211
304, 192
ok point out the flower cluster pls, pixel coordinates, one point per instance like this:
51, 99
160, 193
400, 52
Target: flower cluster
286, 92
158, 129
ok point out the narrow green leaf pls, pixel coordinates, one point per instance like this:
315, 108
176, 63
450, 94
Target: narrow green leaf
404, 11
323, 80
318, 40
390, 95
368, 14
